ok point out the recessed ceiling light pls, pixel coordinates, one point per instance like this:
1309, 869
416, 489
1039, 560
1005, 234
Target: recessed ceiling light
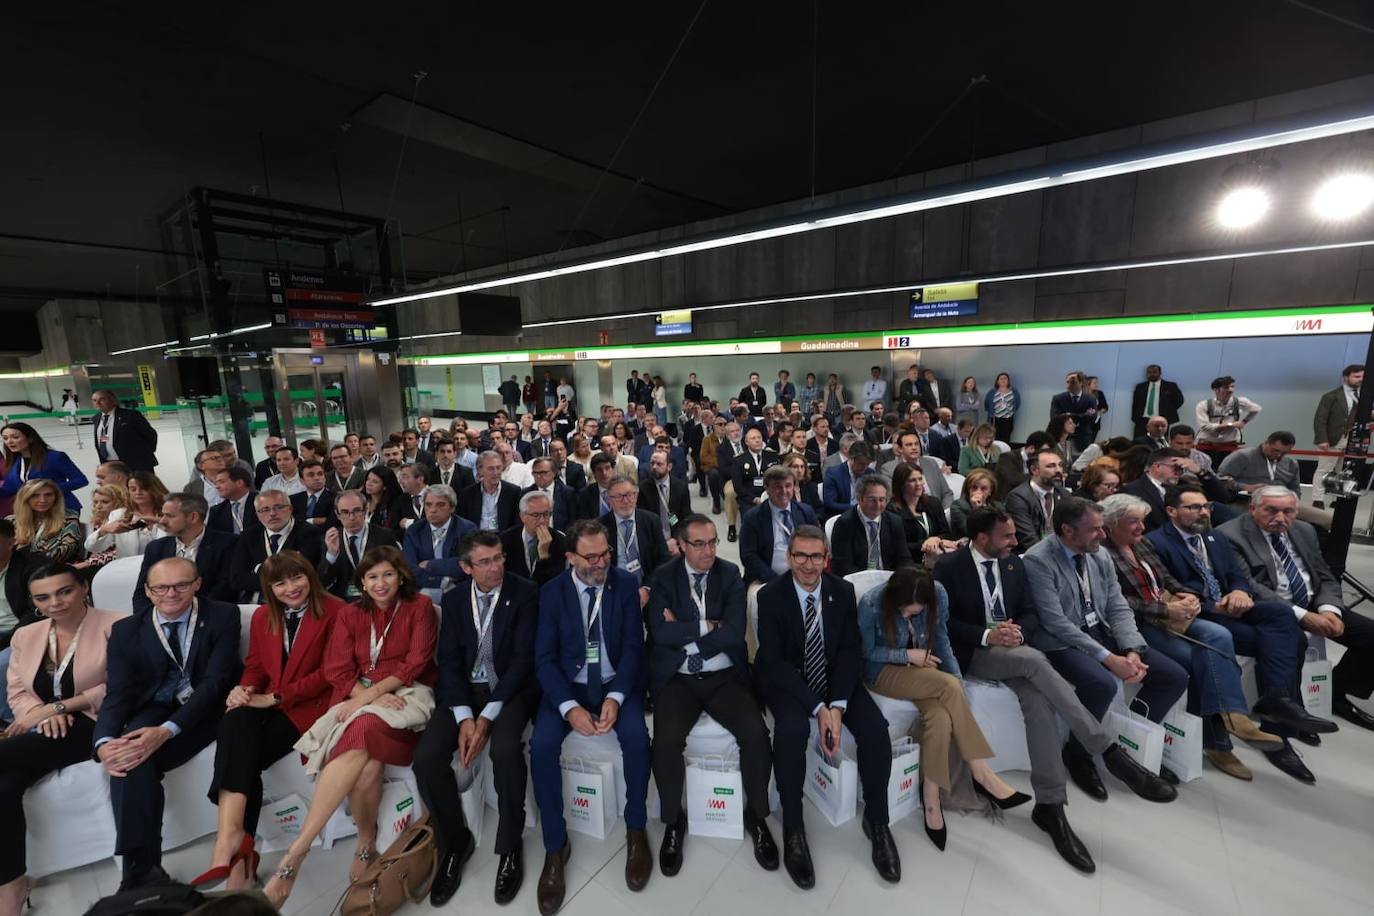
1343, 197
1241, 208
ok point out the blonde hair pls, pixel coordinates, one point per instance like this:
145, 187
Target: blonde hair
116, 494
29, 525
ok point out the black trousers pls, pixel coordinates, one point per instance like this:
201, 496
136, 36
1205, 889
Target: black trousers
716, 484
138, 799
25, 759
727, 698
1354, 674
1001, 428
438, 783
792, 730
250, 741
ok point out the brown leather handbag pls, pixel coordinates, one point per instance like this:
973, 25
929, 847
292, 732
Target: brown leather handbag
401, 874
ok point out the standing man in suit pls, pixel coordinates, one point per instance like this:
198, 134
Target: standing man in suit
487, 693
343, 474
665, 494
345, 543
936, 396
1088, 632
267, 467
122, 434
944, 438
875, 389
431, 544
753, 397
1285, 563
447, 470
315, 504
277, 531
534, 549
636, 539
183, 518
235, 512
768, 527
589, 656
841, 488
1155, 397
820, 445
808, 669
170, 671
560, 496
867, 536
491, 503
1078, 403
425, 440
698, 663
748, 467
784, 392
1032, 504
990, 615
1331, 423
911, 388
1162, 471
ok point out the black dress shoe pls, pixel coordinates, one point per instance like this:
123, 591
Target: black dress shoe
765, 850
1083, 772
730, 535
1352, 713
1139, 780
154, 875
885, 857
1287, 760
1287, 711
1006, 804
670, 852
1051, 819
796, 858
1168, 776
510, 874
450, 873
716, 509
1309, 739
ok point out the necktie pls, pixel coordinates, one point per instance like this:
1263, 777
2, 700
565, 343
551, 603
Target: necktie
437, 541
238, 518
353, 548
532, 553
173, 630
814, 665
1296, 587
310, 506
785, 516
275, 541
875, 548
605, 506
627, 536
293, 622
419, 505
998, 612
1213, 587
594, 687
1049, 514
484, 661
695, 661
663, 507
1150, 399
697, 580
183, 551
444, 475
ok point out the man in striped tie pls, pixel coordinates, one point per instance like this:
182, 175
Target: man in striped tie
807, 669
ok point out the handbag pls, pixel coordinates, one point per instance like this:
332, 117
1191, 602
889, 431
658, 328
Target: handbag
401, 874
1169, 623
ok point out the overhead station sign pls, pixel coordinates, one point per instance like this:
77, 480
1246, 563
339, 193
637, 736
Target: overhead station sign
949, 300
317, 300
672, 324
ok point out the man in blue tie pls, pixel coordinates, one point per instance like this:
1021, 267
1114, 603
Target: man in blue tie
588, 654
315, 504
768, 527
278, 532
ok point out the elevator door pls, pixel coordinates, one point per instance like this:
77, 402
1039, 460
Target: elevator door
312, 390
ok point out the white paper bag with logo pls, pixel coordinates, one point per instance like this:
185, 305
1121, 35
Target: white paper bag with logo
1139, 737
832, 785
902, 796
280, 823
399, 808
1316, 687
715, 797
1183, 742
587, 803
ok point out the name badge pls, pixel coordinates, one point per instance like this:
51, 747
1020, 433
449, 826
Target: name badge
631, 566
184, 693
672, 519
104, 439
593, 653
1090, 619
758, 481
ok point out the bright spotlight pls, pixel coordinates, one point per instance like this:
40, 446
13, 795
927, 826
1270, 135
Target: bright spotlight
1343, 196
1242, 207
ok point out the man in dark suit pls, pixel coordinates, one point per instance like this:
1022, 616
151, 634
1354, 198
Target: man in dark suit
315, 504
767, 528
820, 446
944, 438
491, 503
183, 518
236, 512
839, 492
447, 470
345, 544
1284, 563
278, 531
267, 467
753, 396
1162, 470
634, 388
1156, 434
637, 543
1078, 403
1013, 468
808, 668
664, 493
122, 434
868, 536
593, 501
1154, 397
170, 671
990, 616
1032, 504
570, 472
747, 469
343, 474
534, 548
431, 543
542, 443
487, 692
589, 657
560, 495
1331, 421
911, 388
698, 663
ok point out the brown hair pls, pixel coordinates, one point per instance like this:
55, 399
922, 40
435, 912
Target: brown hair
976, 476
279, 567
376, 556
908, 585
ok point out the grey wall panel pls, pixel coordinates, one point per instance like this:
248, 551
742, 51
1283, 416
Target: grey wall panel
1319, 276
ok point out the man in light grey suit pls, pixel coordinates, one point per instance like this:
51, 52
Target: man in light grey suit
908, 450
1088, 632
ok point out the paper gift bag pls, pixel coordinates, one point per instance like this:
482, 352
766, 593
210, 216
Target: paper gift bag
1183, 742
1139, 737
587, 789
902, 795
400, 806
715, 797
280, 823
832, 787
1316, 687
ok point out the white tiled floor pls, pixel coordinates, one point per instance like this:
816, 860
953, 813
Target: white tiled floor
1271, 846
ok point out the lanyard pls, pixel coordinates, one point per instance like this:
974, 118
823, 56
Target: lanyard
699, 601
188, 635
1085, 587
268, 534
24, 469
375, 644
990, 596
495, 596
1150, 574
62, 666
595, 610
362, 544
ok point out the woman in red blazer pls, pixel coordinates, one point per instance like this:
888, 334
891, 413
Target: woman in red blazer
282, 692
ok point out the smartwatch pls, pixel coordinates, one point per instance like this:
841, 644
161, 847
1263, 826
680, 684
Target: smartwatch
59, 708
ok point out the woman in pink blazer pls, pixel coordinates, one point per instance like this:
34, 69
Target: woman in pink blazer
56, 685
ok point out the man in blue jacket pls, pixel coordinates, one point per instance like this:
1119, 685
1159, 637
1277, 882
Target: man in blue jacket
767, 528
839, 493
588, 654
431, 544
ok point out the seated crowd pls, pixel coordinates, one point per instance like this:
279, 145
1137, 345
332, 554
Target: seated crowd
438, 597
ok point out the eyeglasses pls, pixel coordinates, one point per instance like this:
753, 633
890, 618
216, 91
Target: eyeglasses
348, 512
808, 557
177, 587
1193, 507
268, 510
701, 545
487, 562
621, 497
539, 516
596, 558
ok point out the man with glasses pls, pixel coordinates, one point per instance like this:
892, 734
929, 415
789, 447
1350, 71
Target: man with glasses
637, 543
560, 497
868, 536
344, 546
430, 545
183, 518
343, 476
588, 650
491, 502
1162, 470
170, 671
766, 532
487, 694
698, 663
534, 548
807, 670
277, 531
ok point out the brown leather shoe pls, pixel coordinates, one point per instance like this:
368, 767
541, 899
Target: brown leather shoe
1244, 728
552, 886
639, 861
1228, 763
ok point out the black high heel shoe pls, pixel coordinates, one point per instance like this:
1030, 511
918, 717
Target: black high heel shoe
937, 837
1006, 804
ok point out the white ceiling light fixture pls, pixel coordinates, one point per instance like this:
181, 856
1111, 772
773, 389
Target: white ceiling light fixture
1248, 138
165, 343
256, 327
1343, 197
1242, 207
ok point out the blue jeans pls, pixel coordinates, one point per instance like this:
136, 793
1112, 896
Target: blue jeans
1214, 677
6, 714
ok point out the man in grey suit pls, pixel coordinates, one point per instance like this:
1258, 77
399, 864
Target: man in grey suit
1088, 633
1031, 505
1331, 420
908, 450
1285, 563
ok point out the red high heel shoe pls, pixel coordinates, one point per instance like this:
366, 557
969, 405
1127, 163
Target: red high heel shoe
220, 873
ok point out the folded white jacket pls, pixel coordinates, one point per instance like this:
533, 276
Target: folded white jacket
318, 742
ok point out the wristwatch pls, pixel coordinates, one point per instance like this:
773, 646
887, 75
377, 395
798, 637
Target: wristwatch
276, 699
59, 708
